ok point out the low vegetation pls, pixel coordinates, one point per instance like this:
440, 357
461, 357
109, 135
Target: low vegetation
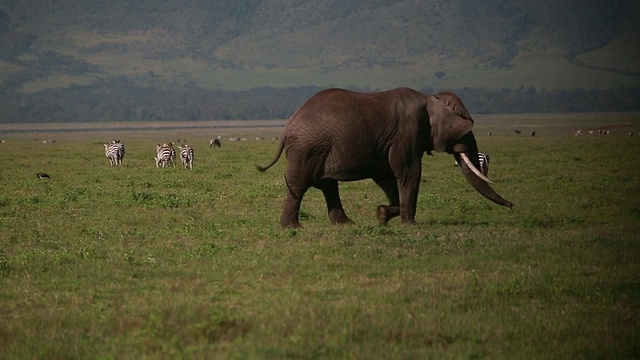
135, 261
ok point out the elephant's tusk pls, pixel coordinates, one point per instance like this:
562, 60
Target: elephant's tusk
465, 158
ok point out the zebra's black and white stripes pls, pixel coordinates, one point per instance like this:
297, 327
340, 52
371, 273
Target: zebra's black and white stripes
483, 159
186, 156
114, 151
165, 154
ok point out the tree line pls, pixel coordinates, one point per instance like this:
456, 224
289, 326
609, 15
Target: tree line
121, 99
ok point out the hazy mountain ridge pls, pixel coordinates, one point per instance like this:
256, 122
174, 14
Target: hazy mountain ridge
233, 45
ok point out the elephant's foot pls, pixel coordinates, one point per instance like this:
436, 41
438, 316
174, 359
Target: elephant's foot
290, 224
337, 216
408, 215
386, 213
289, 220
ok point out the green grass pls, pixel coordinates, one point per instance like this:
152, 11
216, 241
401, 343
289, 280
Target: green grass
139, 262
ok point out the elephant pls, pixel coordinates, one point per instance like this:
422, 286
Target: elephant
341, 135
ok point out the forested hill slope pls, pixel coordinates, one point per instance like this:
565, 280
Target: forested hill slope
236, 45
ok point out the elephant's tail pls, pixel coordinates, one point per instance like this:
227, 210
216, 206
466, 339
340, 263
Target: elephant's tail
275, 160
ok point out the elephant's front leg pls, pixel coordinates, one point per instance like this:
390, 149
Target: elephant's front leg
409, 186
402, 194
334, 205
389, 185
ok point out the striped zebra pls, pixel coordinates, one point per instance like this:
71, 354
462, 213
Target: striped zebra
186, 156
114, 151
483, 159
165, 154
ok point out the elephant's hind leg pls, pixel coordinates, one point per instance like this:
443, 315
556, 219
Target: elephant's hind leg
334, 205
291, 211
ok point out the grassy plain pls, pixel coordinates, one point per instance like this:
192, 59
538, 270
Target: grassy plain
140, 262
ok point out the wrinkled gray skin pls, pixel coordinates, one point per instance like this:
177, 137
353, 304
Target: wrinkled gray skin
339, 135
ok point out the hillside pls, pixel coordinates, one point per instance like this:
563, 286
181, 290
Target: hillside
235, 45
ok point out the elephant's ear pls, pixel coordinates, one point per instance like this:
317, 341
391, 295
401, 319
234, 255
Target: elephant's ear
449, 120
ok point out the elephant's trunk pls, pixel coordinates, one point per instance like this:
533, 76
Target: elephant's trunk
477, 182
466, 153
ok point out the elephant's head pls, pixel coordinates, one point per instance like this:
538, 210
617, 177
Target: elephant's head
451, 132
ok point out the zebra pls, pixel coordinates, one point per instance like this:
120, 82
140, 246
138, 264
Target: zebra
165, 154
114, 151
483, 159
186, 156
215, 143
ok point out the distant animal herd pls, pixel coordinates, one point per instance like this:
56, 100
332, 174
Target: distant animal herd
600, 132
166, 154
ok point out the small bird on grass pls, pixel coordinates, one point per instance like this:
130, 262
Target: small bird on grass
43, 176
